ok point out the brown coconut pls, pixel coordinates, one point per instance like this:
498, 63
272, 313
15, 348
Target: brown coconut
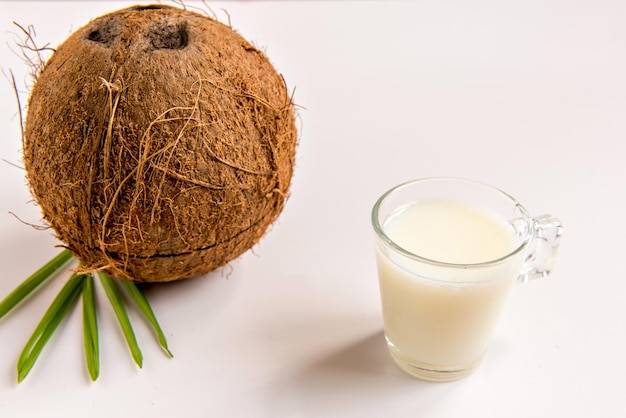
159, 143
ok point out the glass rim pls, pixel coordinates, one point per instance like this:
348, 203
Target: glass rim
380, 232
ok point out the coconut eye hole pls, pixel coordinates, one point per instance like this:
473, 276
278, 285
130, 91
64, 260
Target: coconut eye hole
105, 33
167, 36
141, 7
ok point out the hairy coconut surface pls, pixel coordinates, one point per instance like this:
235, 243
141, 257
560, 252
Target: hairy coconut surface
159, 143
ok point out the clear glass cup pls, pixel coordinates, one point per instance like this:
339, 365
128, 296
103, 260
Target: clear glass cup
440, 310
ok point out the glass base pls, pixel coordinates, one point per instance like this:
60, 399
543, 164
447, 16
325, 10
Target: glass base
434, 373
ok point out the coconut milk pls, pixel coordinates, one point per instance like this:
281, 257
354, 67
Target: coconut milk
431, 320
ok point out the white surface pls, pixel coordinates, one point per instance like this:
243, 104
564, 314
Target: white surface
527, 96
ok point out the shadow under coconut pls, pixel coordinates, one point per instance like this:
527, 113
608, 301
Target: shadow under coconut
211, 289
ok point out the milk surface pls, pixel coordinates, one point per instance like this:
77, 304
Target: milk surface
450, 232
444, 316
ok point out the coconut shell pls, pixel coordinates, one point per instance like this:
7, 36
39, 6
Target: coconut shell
159, 143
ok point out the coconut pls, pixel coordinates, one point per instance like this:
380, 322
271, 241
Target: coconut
159, 143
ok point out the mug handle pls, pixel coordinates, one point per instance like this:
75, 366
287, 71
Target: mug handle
544, 247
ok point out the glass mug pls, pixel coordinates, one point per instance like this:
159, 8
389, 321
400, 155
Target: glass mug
448, 253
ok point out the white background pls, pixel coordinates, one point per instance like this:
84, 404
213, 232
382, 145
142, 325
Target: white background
527, 96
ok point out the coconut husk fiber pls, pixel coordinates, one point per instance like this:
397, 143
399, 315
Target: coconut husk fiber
159, 143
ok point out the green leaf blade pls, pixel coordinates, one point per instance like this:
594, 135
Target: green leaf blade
117, 303
55, 314
140, 299
34, 281
90, 329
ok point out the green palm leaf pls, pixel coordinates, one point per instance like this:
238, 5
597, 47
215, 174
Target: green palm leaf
117, 303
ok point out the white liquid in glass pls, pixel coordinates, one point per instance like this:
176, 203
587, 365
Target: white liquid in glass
441, 316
